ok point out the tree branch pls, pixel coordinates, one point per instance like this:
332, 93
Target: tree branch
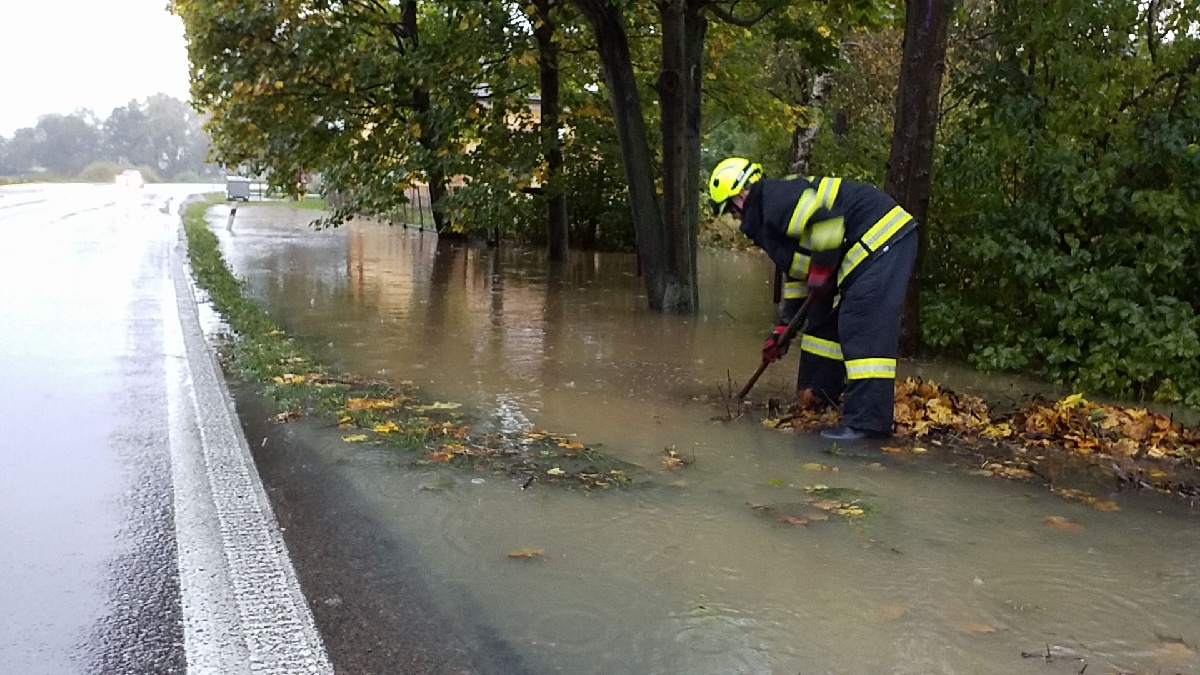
728, 16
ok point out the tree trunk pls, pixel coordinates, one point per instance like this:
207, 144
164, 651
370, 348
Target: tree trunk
804, 137
556, 203
423, 106
613, 45
697, 28
910, 164
674, 88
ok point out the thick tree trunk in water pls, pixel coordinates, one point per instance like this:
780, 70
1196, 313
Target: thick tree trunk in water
910, 164
803, 138
556, 203
674, 87
613, 45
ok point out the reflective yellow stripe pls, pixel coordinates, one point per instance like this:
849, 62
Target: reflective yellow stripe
863, 369
806, 206
883, 229
829, 191
828, 234
794, 289
825, 348
799, 269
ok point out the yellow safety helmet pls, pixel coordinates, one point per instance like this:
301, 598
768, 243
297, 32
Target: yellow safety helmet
731, 176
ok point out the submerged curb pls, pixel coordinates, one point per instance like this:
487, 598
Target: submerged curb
243, 609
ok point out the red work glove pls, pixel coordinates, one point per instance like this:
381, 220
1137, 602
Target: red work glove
774, 348
821, 283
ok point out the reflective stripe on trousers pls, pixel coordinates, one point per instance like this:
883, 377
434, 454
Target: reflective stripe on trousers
865, 328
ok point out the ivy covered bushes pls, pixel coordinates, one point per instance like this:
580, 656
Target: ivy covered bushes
1065, 237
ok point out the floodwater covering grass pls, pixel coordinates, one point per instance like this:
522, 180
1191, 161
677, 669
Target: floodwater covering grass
371, 410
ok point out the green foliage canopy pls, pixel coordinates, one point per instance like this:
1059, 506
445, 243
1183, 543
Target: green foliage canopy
1067, 223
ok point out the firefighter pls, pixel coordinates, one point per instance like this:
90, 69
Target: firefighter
850, 246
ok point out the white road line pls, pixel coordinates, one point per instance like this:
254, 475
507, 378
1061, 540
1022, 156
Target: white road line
243, 609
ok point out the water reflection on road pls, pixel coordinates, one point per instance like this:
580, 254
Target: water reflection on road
954, 573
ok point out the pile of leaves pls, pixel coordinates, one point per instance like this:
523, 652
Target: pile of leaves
1134, 446
378, 412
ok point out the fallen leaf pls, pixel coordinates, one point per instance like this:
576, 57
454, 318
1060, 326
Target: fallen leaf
813, 466
793, 520
527, 553
355, 438
975, 627
1061, 523
555, 471
1173, 654
364, 403
850, 511
570, 445
440, 456
286, 416
672, 462
387, 427
827, 504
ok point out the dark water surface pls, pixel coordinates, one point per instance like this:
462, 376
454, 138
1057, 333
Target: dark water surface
952, 573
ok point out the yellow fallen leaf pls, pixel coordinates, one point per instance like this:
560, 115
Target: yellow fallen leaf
527, 553
813, 466
363, 403
556, 471
672, 462
387, 427
355, 438
570, 445
850, 511
918, 450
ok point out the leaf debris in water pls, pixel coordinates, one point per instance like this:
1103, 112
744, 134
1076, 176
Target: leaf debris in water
527, 553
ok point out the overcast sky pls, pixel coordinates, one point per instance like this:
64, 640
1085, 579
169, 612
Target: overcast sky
60, 55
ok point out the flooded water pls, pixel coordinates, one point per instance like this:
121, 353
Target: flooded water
951, 573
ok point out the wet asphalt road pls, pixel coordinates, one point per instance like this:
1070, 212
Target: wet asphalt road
134, 535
